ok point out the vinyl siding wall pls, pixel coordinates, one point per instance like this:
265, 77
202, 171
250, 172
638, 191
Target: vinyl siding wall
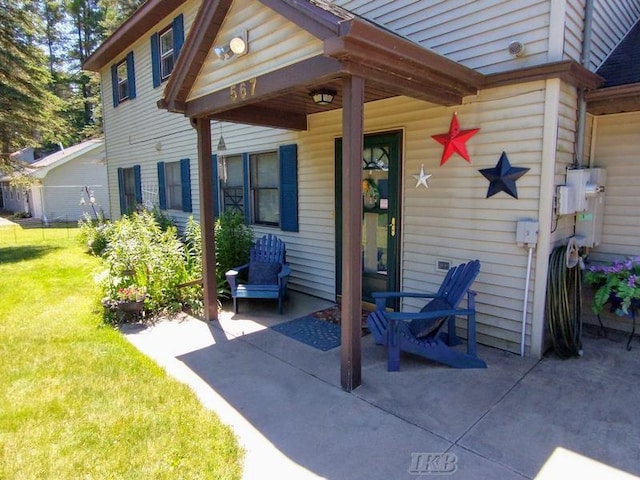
63, 187
476, 34
452, 219
616, 147
274, 42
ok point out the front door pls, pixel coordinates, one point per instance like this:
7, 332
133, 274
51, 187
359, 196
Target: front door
381, 209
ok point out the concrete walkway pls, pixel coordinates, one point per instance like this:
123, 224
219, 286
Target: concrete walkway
519, 418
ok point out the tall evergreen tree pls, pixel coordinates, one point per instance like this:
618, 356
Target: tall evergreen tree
27, 106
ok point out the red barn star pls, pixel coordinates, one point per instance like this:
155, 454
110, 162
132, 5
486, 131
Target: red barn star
454, 141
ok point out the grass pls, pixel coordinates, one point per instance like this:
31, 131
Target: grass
77, 400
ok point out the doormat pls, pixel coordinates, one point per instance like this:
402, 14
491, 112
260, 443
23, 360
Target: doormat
319, 329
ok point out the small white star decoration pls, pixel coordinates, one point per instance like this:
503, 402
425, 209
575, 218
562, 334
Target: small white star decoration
422, 177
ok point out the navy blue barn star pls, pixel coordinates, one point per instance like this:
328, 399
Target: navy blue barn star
502, 177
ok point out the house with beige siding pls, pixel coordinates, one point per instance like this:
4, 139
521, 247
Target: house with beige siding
360, 133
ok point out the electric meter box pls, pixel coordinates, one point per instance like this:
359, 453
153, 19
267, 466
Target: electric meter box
589, 220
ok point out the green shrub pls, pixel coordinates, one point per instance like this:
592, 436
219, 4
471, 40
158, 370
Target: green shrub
94, 233
141, 254
233, 242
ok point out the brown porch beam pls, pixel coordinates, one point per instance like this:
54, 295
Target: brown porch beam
261, 116
207, 221
414, 88
566, 70
352, 128
306, 72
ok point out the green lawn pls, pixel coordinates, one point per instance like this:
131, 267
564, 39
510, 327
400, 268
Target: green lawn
76, 399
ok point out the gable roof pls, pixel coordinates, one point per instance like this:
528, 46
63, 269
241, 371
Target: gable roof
621, 71
41, 167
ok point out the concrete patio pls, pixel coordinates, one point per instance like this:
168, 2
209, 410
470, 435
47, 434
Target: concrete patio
519, 418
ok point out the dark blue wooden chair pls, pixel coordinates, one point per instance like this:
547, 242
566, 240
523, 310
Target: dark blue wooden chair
267, 273
423, 333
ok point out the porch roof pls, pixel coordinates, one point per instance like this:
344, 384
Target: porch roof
391, 65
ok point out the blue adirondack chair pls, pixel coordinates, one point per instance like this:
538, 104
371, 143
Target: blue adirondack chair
422, 333
267, 273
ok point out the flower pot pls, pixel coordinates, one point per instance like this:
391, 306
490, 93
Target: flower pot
131, 306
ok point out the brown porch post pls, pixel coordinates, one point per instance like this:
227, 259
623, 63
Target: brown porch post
207, 221
352, 126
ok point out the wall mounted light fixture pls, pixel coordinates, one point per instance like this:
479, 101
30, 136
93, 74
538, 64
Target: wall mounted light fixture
323, 96
238, 45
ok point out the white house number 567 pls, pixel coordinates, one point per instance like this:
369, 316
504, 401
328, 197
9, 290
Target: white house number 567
243, 90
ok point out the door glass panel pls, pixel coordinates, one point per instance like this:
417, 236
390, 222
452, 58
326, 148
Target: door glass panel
376, 226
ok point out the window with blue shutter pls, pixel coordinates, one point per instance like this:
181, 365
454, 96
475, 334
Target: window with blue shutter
174, 185
288, 156
185, 179
165, 48
162, 196
262, 186
123, 82
129, 189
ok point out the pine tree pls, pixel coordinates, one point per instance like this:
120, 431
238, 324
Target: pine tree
27, 106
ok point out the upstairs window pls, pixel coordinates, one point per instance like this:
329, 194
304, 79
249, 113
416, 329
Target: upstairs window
165, 48
123, 82
166, 53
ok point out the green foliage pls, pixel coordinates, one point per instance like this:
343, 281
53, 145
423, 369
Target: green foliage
233, 241
617, 284
28, 108
140, 253
94, 233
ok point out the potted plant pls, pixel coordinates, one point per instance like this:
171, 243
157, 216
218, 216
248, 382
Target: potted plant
617, 283
131, 298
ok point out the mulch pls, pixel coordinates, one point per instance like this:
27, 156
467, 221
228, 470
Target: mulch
334, 315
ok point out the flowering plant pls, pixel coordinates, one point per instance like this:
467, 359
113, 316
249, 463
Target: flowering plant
132, 293
617, 283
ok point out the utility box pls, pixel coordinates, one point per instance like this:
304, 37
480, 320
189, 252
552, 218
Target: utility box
589, 220
527, 233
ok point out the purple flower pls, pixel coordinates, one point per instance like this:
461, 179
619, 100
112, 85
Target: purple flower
632, 281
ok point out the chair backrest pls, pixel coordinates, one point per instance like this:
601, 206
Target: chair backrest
457, 281
268, 249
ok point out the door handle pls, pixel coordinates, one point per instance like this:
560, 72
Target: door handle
393, 226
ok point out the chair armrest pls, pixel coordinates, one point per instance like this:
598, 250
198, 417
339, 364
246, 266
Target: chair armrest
232, 275
381, 297
285, 271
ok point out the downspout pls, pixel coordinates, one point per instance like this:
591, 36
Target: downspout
585, 58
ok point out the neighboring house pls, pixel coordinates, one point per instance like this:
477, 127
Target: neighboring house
67, 184
15, 199
292, 86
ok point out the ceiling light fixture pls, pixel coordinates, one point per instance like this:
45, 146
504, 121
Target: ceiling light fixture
323, 96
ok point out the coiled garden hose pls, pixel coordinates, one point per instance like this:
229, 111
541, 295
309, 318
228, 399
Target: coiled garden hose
564, 305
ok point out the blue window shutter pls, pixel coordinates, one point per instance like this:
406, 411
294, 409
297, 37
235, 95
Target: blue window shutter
216, 186
178, 36
114, 84
288, 155
247, 184
162, 194
185, 179
123, 200
131, 76
155, 59
138, 183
